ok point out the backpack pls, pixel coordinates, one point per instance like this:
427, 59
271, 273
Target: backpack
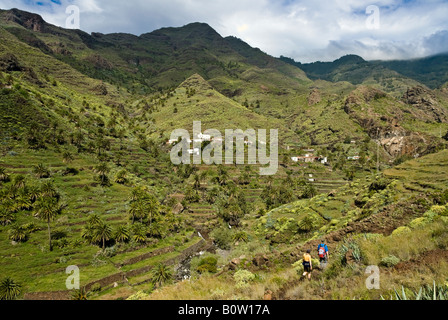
322, 251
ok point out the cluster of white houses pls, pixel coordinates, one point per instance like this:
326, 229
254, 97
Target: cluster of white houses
208, 138
310, 157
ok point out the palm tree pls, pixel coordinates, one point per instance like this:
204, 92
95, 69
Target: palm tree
102, 233
139, 233
67, 157
4, 177
121, 177
138, 210
33, 193
161, 274
47, 210
94, 219
18, 233
6, 217
9, 289
102, 171
22, 202
87, 232
223, 175
48, 190
121, 234
153, 207
19, 181
41, 171
309, 192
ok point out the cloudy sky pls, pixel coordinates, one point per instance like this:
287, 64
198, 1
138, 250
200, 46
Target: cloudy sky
320, 30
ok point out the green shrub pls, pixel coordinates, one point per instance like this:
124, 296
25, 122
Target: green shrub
222, 238
138, 296
208, 264
243, 278
390, 261
419, 222
401, 230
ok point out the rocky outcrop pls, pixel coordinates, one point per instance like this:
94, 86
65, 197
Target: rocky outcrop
28, 20
363, 94
426, 101
387, 130
99, 62
9, 63
314, 97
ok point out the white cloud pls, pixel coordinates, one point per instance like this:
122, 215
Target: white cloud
305, 30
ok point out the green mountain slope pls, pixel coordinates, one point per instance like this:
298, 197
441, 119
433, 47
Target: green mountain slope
431, 71
357, 71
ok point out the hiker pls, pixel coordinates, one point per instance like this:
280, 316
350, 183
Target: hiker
322, 251
307, 264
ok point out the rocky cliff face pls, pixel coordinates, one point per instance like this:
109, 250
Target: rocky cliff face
387, 130
28, 20
426, 101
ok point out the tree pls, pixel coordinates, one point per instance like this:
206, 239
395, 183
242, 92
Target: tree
67, 157
309, 191
121, 177
4, 177
6, 217
48, 190
121, 234
102, 170
41, 171
47, 209
19, 181
9, 289
139, 233
222, 175
161, 274
142, 204
18, 233
102, 233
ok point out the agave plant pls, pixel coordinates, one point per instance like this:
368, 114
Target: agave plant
427, 292
9, 289
80, 294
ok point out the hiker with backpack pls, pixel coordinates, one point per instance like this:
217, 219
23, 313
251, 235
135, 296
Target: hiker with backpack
307, 264
322, 251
